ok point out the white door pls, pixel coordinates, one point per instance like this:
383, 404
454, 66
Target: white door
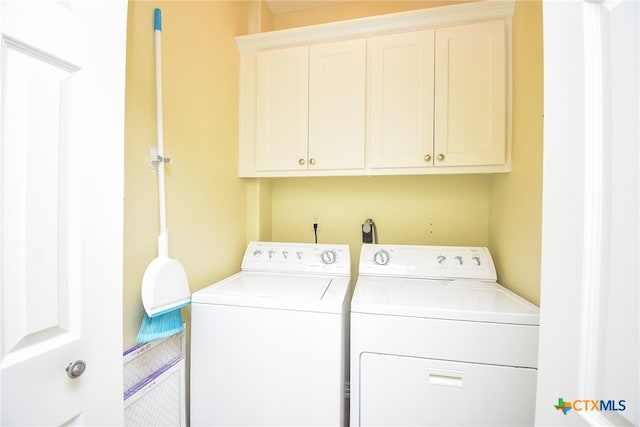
61, 202
589, 320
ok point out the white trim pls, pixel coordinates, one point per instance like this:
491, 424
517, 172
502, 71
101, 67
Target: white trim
377, 25
593, 197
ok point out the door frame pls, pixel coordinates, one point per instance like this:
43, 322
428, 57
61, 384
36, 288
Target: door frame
586, 297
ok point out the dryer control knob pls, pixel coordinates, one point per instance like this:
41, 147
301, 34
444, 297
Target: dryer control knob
381, 257
328, 257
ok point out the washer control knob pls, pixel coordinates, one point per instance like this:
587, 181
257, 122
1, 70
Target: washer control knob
328, 257
257, 253
381, 257
441, 259
459, 260
476, 260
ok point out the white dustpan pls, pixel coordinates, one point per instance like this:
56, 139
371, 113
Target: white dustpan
165, 286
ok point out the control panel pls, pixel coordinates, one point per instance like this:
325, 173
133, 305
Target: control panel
432, 262
297, 258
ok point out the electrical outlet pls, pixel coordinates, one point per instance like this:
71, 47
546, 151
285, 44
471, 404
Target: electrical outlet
315, 219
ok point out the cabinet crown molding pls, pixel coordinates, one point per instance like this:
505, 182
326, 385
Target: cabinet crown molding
378, 25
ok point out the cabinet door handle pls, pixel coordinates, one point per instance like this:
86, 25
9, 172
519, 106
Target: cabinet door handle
301, 162
441, 157
312, 161
427, 158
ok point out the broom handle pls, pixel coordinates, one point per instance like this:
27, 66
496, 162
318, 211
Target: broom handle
163, 244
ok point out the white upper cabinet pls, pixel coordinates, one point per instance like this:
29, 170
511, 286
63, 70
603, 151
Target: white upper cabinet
470, 97
337, 105
401, 100
420, 92
311, 107
282, 104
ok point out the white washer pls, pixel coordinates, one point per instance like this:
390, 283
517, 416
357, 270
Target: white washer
269, 344
436, 341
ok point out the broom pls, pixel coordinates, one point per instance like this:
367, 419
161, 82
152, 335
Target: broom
165, 288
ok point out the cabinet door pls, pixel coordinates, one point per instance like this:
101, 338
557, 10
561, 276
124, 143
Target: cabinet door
401, 99
471, 101
337, 105
282, 109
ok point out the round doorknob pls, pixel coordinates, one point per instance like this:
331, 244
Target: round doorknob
427, 158
75, 369
312, 161
441, 157
301, 162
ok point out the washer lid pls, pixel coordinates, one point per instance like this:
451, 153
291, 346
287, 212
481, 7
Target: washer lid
277, 290
442, 299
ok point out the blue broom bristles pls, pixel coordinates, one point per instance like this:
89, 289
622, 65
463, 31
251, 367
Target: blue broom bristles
160, 326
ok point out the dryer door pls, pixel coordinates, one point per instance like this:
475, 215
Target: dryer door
412, 391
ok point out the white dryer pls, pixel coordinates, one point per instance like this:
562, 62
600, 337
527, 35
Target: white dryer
269, 344
436, 341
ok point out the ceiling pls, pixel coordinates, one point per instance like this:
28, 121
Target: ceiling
284, 6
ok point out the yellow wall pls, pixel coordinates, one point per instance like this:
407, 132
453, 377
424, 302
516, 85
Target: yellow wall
515, 220
212, 213
500, 211
435, 210
206, 201
352, 10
